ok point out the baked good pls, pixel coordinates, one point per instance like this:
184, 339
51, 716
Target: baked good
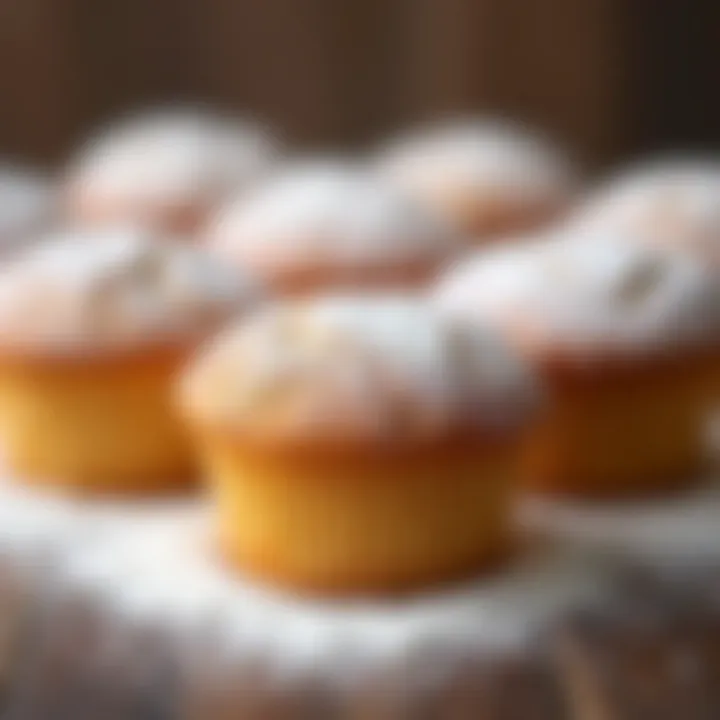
359, 444
28, 205
166, 169
490, 179
625, 337
93, 327
674, 202
329, 224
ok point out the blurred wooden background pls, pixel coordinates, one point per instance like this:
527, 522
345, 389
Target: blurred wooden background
611, 76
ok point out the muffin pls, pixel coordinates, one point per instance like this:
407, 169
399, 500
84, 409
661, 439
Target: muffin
489, 179
626, 339
27, 207
93, 327
329, 225
167, 170
359, 444
668, 202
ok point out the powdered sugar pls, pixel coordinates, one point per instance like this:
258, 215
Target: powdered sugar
606, 294
161, 568
363, 367
482, 156
673, 202
91, 289
27, 206
328, 213
172, 158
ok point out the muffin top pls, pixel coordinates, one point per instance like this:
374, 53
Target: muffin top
481, 160
114, 288
172, 158
674, 202
372, 368
27, 205
591, 299
328, 215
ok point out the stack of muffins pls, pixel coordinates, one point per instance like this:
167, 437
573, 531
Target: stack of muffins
375, 366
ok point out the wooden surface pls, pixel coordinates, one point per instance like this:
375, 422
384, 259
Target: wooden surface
610, 77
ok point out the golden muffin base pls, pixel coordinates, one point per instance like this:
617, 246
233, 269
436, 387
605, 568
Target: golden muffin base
487, 219
308, 281
97, 211
373, 521
623, 431
96, 424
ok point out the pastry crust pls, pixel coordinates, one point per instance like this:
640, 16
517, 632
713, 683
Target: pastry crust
491, 180
370, 521
632, 429
331, 225
165, 169
673, 202
95, 425
93, 330
359, 445
626, 339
